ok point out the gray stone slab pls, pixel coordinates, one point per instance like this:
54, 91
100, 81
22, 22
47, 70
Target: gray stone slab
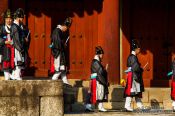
31, 98
19, 106
51, 106
31, 88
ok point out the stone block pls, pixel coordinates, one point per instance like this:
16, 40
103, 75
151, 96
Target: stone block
114, 105
155, 95
67, 107
2, 78
166, 94
81, 94
78, 107
18, 106
31, 88
51, 106
69, 94
31, 98
79, 83
116, 94
145, 96
167, 105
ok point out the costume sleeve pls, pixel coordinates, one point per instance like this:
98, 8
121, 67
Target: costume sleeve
135, 65
101, 73
56, 41
2, 41
15, 36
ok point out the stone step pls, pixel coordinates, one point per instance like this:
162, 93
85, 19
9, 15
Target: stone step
79, 106
114, 105
115, 94
152, 97
1, 77
119, 113
79, 83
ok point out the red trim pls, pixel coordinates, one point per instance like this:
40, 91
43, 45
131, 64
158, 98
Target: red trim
12, 57
128, 84
6, 65
52, 68
173, 89
93, 91
9, 64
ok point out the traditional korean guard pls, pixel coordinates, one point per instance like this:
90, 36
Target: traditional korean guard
134, 85
58, 59
6, 45
18, 43
99, 81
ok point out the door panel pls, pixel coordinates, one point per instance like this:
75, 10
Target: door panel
80, 48
38, 51
152, 24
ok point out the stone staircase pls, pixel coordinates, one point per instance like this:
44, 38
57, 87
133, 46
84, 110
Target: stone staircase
75, 96
155, 98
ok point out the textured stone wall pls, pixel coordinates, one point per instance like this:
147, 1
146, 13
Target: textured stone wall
31, 98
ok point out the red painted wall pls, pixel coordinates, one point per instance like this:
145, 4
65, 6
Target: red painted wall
108, 37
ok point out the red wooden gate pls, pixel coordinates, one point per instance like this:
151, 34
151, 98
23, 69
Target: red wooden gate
152, 23
42, 17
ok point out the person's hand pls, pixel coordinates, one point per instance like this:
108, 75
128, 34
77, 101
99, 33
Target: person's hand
8, 42
26, 39
106, 66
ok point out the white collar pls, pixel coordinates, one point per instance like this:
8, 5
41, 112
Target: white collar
59, 26
133, 52
16, 22
6, 28
97, 57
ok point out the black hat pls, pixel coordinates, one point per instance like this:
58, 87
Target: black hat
7, 14
19, 13
134, 45
68, 22
99, 50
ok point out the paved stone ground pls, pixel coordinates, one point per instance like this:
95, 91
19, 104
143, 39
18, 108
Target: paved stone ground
152, 112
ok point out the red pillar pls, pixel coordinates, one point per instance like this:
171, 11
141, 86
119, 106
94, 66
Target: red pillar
108, 38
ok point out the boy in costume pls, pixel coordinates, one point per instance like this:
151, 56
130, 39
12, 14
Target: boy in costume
134, 86
58, 59
18, 37
7, 49
99, 82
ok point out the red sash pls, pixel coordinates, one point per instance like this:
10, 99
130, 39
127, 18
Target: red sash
9, 64
128, 84
173, 89
93, 91
52, 68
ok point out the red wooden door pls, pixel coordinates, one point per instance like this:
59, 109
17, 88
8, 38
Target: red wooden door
95, 22
152, 23
40, 25
43, 17
3, 7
